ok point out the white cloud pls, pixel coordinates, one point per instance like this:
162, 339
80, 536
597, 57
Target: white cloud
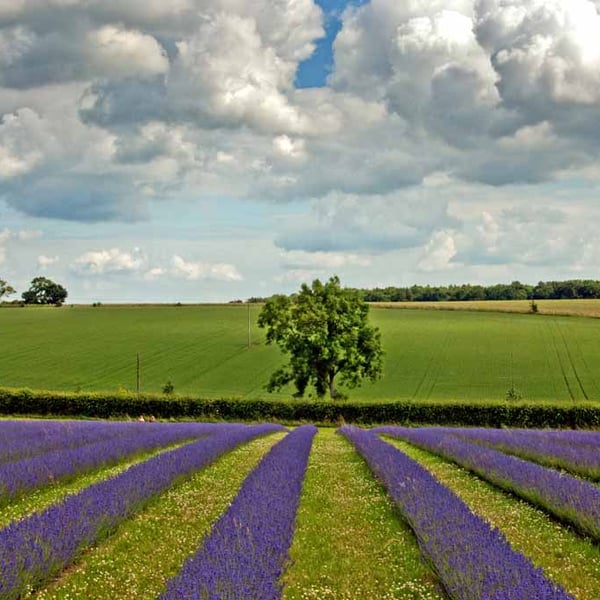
438, 252
203, 270
296, 276
28, 234
114, 260
118, 52
24, 139
543, 47
344, 222
154, 273
44, 261
287, 148
324, 260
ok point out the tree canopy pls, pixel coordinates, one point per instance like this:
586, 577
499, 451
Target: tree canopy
325, 330
5, 289
44, 291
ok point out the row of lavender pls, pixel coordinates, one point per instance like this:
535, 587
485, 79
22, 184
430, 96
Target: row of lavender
577, 452
247, 550
472, 559
26, 438
35, 548
89, 446
570, 499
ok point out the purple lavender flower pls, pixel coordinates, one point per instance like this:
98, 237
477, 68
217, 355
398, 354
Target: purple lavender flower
37, 547
26, 474
22, 438
570, 451
568, 498
472, 559
247, 549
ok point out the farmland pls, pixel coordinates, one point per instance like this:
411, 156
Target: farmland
203, 351
299, 514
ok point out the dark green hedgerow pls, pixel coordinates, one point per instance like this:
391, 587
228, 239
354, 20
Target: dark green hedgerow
45, 403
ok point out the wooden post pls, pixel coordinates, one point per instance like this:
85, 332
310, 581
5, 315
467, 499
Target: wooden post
137, 375
249, 338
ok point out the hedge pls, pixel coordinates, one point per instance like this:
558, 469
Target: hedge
490, 414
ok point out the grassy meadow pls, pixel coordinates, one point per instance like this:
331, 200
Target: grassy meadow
203, 351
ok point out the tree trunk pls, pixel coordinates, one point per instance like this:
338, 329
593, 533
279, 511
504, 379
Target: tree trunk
330, 382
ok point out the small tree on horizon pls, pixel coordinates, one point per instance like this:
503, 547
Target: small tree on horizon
44, 291
5, 289
325, 330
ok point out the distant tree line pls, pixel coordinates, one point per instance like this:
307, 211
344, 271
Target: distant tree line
544, 290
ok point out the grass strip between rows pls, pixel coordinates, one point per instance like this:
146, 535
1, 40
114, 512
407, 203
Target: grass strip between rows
145, 551
566, 558
350, 543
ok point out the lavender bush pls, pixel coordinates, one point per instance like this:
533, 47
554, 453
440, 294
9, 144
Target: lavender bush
29, 473
247, 549
563, 451
568, 498
22, 439
472, 559
37, 547
27, 438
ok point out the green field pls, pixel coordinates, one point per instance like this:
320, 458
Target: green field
204, 351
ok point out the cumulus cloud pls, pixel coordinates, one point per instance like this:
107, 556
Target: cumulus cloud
44, 261
118, 52
549, 48
23, 141
343, 222
111, 261
532, 236
438, 252
323, 260
199, 270
154, 273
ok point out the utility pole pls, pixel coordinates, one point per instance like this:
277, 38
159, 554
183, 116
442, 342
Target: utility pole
137, 375
249, 335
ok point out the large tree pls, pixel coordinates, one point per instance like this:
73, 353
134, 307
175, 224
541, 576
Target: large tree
5, 289
325, 330
44, 291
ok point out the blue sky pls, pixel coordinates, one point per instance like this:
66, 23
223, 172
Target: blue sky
207, 150
313, 71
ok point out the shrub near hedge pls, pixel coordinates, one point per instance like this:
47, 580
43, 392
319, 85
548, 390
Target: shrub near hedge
483, 414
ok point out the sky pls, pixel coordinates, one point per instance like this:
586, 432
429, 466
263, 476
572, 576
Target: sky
213, 150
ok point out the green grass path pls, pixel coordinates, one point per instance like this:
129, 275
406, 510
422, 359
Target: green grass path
350, 543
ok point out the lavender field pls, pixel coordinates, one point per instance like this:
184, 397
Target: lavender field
198, 510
